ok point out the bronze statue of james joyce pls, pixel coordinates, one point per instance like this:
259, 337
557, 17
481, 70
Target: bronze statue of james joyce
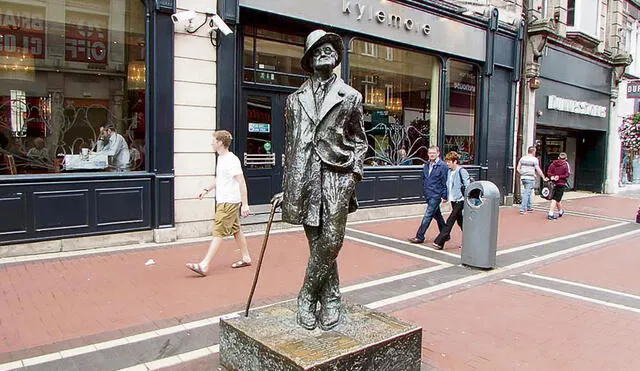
325, 144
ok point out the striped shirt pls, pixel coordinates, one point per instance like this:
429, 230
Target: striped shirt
528, 166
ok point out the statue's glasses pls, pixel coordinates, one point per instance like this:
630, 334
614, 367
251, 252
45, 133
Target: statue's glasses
326, 50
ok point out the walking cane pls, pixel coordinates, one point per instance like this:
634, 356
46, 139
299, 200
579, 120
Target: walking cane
264, 247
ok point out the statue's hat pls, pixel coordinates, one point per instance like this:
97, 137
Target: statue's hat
315, 39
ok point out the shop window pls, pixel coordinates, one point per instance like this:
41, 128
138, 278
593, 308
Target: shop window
66, 71
460, 115
272, 57
400, 101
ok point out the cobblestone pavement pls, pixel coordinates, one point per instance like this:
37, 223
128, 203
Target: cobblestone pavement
565, 295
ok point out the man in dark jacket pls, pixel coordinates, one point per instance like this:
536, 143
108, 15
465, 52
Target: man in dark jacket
325, 145
434, 175
558, 172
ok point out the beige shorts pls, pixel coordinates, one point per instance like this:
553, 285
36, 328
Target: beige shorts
227, 220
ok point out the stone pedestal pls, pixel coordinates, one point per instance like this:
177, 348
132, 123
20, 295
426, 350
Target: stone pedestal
270, 339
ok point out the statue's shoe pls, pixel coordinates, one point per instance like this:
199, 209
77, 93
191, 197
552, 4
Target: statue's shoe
329, 316
306, 316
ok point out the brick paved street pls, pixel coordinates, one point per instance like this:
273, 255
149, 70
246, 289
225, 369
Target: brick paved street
563, 293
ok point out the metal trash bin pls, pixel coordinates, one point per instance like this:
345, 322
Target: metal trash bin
480, 224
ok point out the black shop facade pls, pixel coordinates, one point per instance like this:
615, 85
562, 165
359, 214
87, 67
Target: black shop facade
67, 71
572, 115
428, 76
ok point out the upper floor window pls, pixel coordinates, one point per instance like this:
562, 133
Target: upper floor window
273, 57
72, 86
584, 16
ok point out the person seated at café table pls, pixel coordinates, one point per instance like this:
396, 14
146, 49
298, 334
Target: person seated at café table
115, 146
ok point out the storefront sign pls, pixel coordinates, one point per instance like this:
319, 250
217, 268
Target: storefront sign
572, 106
633, 89
86, 37
385, 19
259, 127
369, 13
22, 31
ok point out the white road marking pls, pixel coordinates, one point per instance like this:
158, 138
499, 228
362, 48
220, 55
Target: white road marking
394, 278
460, 281
419, 245
398, 251
573, 296
578, 284
524, 247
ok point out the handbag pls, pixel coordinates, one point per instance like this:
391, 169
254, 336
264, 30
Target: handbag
547, 190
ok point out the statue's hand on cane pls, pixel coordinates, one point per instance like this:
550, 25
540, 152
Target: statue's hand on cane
276, 200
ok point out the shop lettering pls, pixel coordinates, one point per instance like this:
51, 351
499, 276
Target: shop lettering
21, 34
25, 21
464, 87
381, 17
633, 89
12, 44
86, 41
572, 106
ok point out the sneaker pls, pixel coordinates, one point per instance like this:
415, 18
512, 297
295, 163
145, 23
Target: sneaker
552, 217
522, 212
560, 213
530, 210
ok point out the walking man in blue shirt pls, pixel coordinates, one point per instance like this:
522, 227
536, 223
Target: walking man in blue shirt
434, 175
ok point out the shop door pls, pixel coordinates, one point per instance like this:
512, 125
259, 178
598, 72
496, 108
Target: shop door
590, 166
261, 137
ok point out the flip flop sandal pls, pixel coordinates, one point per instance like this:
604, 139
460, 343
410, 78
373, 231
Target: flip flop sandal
196, 268
240, 264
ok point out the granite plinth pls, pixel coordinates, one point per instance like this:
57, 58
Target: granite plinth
270, 339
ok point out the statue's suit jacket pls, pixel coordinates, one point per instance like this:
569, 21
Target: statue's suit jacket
331, 140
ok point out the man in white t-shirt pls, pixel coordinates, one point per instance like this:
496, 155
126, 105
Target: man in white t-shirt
528, 166
231, 199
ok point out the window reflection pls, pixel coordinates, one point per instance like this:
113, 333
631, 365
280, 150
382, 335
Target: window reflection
460, 115
272, 57
400, 101
259, 141
68, 69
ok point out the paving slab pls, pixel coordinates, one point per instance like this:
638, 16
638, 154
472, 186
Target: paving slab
614, 267
609, 206
503, 327
96, 297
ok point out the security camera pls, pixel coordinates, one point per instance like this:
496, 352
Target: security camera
219, 23
183, 16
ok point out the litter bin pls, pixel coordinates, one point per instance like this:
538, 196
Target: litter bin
480, 233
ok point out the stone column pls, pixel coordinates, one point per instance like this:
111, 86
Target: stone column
620, 63
613, 144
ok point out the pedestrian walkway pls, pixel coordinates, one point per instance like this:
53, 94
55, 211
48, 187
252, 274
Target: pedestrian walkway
112, 311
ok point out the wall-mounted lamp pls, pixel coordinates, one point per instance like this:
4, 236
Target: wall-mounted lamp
211, 17
534, 83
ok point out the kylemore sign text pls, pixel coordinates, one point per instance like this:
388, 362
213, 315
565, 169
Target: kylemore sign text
572, 106
389, 20
368, 13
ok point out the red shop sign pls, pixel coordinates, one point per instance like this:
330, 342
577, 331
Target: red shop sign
86, 37
22, 31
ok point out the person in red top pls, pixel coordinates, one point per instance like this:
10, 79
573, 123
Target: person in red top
558, 172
